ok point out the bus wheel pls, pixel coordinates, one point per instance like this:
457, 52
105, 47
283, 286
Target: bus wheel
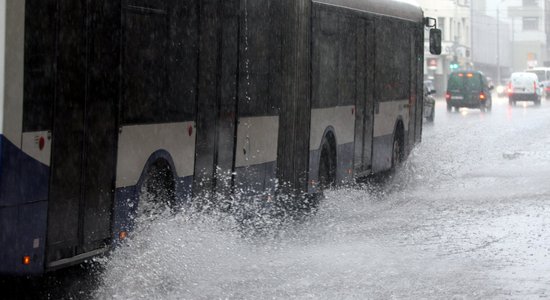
398, 148
327, 162
158, 191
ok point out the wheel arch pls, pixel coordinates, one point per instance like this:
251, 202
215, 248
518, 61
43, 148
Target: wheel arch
399, 127
330, 138
399, 134
329, 135
158, 156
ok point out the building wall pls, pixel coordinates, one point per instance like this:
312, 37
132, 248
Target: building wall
530, 46
492, 46
454, 21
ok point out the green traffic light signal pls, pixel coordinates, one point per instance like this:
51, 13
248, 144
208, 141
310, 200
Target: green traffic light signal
454, 65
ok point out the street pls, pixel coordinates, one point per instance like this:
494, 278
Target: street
466, 217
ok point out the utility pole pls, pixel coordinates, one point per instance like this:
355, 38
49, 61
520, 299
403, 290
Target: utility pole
472, 12
498, 43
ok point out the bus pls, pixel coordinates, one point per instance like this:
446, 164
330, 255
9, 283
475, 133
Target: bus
105, 101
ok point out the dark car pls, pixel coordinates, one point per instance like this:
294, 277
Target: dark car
468, 89
429, 101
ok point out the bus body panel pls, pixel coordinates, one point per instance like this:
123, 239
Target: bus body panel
12, 45
385, 121
235, 95
218, 96
341, 122
137, 143
84, 128
23, 230
23, 210
256, 155
390, 9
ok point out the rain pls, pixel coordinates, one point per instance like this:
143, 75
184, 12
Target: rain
199, 197
465, 217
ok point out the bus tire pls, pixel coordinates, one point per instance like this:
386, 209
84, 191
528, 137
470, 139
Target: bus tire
327, 162
398, 148
158, 190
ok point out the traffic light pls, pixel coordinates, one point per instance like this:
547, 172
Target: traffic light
454, 65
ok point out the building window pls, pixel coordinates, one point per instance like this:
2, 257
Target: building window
530, 23
530, 2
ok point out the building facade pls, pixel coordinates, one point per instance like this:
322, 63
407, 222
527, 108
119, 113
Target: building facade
529, 29
454, 19
529, 19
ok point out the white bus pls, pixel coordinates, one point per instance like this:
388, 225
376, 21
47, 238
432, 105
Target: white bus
103, 101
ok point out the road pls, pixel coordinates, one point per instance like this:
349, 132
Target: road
466, 217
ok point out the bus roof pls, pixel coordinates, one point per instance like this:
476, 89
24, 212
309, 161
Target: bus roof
402, 9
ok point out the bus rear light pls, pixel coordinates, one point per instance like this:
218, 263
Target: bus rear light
190, 130
122, 235
448, 96
26, 260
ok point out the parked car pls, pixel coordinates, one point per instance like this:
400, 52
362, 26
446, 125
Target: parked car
524, 86
429, 101
468, 89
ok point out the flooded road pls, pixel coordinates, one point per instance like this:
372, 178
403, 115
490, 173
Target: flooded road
467, 216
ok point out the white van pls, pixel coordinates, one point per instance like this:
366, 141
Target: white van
524, 86
543, 73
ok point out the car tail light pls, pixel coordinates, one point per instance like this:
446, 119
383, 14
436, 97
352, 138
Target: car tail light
535, 87
510, 89
482, 96
447, 96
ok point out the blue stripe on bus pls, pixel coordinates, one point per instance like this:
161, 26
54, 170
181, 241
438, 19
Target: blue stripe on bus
23, 210
23, 179
23, 233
